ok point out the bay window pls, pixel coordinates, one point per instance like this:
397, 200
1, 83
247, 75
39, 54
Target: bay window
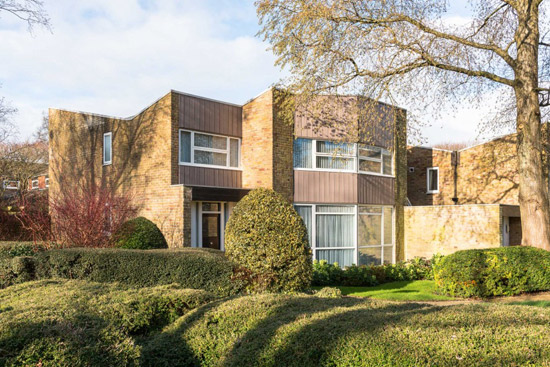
345, 157
201, 149
349, 234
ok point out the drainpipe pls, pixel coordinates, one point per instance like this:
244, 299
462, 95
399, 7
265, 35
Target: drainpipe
455, 161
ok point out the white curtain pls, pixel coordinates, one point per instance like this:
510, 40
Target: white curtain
342, 257
335, 230
305, 213
302, 153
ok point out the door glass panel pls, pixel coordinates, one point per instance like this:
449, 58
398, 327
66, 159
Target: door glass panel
388, 254
210, 207
388, 226
211, 231
369, 231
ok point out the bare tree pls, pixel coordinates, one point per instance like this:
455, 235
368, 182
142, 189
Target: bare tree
30, 11
7, 127
396, 49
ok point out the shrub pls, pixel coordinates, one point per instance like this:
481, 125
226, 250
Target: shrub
34, 216
139, 233
190, 268
325, 274
17, 262
269, 240
87, 217
501, 271
329, 292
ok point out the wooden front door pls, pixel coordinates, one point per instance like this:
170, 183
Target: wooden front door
211, 230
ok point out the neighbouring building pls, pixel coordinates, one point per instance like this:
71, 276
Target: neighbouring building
186, 161
464, 199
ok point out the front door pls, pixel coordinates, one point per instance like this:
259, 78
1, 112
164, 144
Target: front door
505, 231
211, 230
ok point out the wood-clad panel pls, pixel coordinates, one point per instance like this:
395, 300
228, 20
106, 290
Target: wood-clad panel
377, 190
325, 187
209, 116
201, 176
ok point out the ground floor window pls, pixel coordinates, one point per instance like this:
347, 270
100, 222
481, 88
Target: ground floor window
350, 234
208, 221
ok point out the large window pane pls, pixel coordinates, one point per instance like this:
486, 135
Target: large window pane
369, 152
303, 153
342, 257
433, 180
388, 226
209, 141
305, 213
217, 159
370, 166
387, 164
370, 256
329, 147
334, 209
388, 254
185, 146
335, 230
234, 153
369, 230
335, 163
107, 148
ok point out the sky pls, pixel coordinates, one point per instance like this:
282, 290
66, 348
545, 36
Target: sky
117, 57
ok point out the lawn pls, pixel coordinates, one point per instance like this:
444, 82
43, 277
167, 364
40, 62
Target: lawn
81, 323
419, 290
545, 304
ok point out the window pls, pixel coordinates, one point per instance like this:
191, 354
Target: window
11, 185
107, 148
34, 185
326, 155
349, 234
200, 149
47, 182
433, 180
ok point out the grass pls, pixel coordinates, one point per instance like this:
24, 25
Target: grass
81, 323
545, 304
418, 290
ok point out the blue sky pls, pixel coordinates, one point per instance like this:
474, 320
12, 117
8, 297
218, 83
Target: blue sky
116, 57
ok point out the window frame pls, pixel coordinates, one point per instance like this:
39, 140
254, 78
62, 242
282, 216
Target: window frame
37, 184
110, 161
226, 151
355, 157
355, 213
6, 185
47, 182
428, 170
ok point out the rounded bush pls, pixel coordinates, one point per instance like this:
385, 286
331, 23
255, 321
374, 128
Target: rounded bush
141, 234
268, 240
501, 271
328, 292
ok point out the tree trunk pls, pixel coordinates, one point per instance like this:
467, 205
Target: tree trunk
533, 192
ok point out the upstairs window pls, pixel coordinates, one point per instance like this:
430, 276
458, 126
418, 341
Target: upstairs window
433, 180
107, 148
35, 185
331, 156
11, 185
200, 149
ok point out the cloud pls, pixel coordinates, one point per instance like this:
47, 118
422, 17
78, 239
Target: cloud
116, 57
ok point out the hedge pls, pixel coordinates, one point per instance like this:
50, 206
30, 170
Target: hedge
325, 274
501, 271
190, 268
17, 262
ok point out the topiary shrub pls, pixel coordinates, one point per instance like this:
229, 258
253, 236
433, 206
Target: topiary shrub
501, 271
269, 240
328, 292
139, 234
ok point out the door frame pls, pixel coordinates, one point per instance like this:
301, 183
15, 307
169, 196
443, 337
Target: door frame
221, 212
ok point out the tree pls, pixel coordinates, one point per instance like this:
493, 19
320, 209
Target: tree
30, 11
405, 48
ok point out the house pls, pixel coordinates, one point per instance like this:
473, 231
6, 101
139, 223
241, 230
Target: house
464, 199
187, 160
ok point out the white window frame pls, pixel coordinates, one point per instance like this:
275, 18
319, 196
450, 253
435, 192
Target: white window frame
37, 185
226, 151
380, 160
110, 161
355, 156
47, 182
355, 214
428, 191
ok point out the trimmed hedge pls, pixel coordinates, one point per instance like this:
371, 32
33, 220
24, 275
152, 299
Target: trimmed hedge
269, 240
139, 233
325, 274
17, 263
504, 271
190, 268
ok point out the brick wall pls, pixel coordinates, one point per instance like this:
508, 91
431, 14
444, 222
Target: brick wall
420, 159
446, 229
143, 161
